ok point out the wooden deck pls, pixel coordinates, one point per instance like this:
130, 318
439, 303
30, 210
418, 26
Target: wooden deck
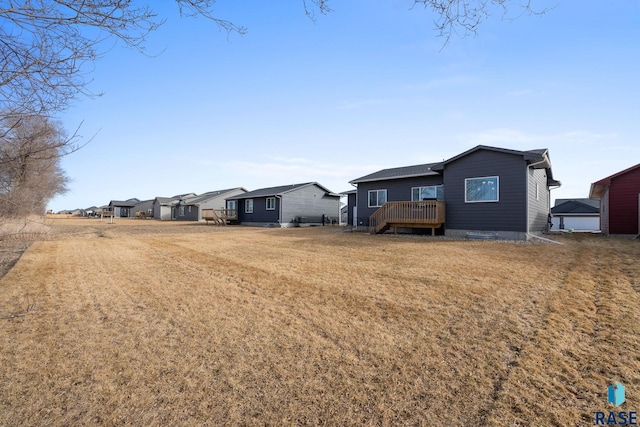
423, 214
219, 216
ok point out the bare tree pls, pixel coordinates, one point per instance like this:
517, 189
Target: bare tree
464, 17
30, 174
48, 46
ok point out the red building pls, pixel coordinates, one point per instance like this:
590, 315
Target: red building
619, 196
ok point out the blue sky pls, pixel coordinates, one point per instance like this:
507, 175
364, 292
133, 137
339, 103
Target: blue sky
366, 87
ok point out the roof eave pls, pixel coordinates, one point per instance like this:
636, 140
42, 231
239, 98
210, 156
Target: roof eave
359, 180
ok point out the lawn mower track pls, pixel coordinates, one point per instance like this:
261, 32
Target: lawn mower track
155, 325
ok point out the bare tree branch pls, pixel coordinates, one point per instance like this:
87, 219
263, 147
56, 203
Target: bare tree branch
48, 46
464, 17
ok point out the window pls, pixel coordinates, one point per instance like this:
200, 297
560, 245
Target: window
432, 192
481, 189
377, 198
248, 206
271, 203
181, 211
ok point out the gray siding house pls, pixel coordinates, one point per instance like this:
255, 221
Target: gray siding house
123, 208
190, 208
287, 206
485, 191
162, 207
145, 206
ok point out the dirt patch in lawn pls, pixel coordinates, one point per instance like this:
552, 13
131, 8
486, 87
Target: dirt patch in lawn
148, 323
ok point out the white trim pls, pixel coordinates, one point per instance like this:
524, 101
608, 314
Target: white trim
248, 206
377, 197
272, 208
426, 186
497, 199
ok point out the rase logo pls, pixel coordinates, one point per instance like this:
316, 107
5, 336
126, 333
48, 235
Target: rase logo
615, 396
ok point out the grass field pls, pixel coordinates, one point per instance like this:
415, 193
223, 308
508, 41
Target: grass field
149, 323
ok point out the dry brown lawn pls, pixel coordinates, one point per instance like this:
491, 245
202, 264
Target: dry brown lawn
148, 323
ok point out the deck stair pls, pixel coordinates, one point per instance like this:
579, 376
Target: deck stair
421, 214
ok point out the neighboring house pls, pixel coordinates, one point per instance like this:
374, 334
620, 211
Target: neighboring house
351, 206
485, 191
164, 208
619, 196
145, 207
190, 208
92, 211
286, 206
344, 214
123, 208
576, 214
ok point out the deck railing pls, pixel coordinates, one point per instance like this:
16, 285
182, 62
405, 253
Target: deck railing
219, 214
427, 213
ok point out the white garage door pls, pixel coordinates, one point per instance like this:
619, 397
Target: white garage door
577, 223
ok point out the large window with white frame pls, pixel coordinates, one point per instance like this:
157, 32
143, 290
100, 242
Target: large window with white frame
377, 198
248, 206
483, 189
431, 192
271, 203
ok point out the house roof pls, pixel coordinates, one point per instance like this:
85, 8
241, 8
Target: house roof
164, 200
401, 172
531, 156
580, 207
144, 205
129, 203
591, 202
539, 158
598, 188
210, 195
280, 190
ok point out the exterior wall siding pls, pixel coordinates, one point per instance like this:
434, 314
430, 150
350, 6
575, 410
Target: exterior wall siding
623, 203
310, 202
351, 203
398, 190
191, 213
260, 213
508, 214
539, 204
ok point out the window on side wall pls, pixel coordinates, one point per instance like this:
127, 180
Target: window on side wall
377, 198
484, 189
181, 211
271, 203
248, 206
431, 192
